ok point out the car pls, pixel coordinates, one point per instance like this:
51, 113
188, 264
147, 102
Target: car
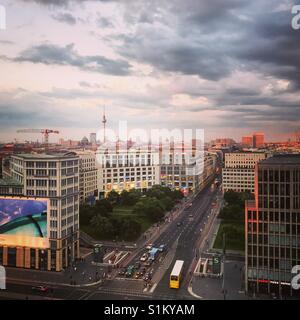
139, 274
40, 289
122, 271
149, 246
129, 272
144, 257
147, 276
179, 224
162, 247
148, 262
137, 265
191, 216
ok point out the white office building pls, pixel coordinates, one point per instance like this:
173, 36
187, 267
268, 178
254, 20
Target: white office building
126, 167
238, 173
88, 174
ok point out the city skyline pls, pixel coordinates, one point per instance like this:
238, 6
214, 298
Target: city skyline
157, 64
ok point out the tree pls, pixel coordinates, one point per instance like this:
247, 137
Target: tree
167, 203
130, 198
232, 212
177, 194
102, 226
232, 197
130, 229
86, 213
103, 207
113, 197
152, 208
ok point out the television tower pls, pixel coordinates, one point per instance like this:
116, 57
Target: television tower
104, 125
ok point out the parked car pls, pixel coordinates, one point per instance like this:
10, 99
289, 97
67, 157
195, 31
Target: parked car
40, 289
137, 265
144, 257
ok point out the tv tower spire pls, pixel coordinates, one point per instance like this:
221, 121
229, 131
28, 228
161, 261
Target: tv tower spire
104, 125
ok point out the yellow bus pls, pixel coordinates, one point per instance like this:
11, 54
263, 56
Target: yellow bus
176, 274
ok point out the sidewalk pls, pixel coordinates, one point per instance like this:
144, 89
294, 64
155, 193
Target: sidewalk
81, 274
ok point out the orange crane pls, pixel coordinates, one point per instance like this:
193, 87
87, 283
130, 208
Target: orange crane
45, 132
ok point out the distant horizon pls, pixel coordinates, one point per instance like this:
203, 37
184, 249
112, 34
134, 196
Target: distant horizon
225, 68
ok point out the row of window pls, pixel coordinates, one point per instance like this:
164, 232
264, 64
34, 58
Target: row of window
265, 227
267, 274
284, 216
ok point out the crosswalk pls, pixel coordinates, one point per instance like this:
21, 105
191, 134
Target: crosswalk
117, 291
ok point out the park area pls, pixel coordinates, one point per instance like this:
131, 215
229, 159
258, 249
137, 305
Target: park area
233, 221
127, 215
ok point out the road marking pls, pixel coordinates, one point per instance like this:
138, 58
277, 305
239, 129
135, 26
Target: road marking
153, 288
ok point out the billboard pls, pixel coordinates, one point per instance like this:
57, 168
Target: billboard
24, 222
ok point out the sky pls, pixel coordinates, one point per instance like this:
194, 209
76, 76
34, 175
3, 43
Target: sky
229, 67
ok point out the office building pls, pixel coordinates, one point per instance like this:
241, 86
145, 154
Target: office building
272, 225
247, 141
54, 177
258, 140
187, 176
93, 138
126, 167
88, 175
239, 170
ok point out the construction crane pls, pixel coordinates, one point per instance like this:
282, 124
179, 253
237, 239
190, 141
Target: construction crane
44, 132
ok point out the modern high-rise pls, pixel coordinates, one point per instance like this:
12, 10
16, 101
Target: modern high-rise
247, 141
272, 224
258, 139
239, 170
93, 138
54, 177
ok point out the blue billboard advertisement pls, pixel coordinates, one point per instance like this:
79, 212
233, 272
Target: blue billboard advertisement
23, 222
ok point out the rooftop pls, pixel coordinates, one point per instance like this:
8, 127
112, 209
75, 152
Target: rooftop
283, 159
52, 155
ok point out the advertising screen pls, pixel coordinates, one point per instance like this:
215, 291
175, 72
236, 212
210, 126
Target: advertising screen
23, 222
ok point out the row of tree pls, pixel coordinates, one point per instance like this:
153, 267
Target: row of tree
234, 208
233, 217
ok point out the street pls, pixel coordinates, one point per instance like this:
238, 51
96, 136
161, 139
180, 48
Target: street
180, 236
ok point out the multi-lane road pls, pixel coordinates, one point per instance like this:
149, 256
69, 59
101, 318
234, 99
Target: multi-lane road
193, 221
181, 241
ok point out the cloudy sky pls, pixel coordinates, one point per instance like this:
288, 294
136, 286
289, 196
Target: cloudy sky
228, 66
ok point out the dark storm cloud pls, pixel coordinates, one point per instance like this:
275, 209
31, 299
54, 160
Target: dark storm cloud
274, 48
242, 92
210, 39
50, 54
65, 18
62, 3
